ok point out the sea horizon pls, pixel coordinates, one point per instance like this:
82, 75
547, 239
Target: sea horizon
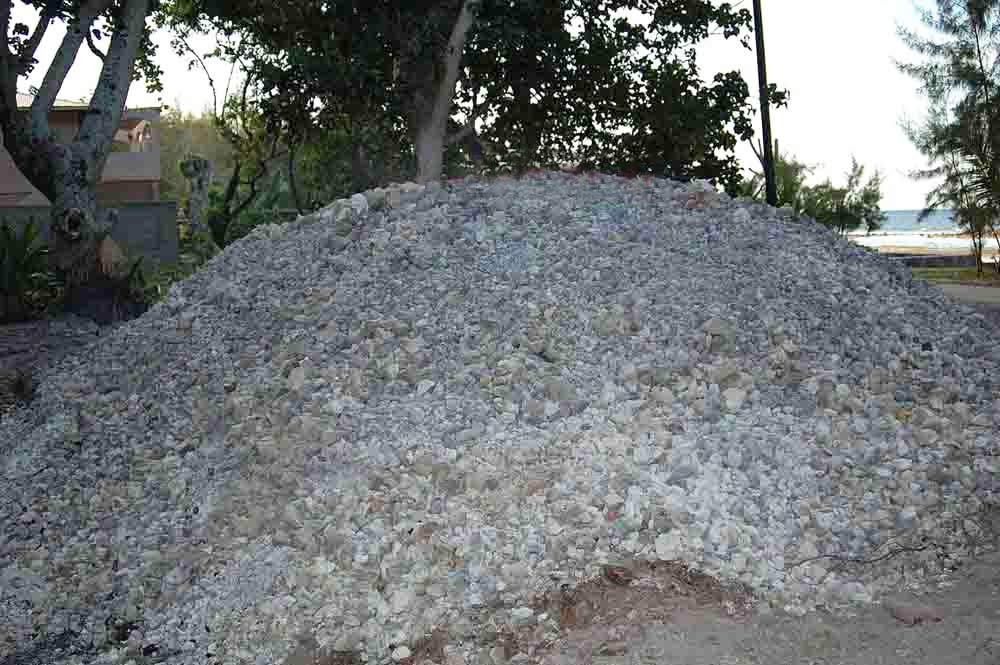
903, 231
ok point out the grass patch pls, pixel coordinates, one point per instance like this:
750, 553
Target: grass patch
965, 275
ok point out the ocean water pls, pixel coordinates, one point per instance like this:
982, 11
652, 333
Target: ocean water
906, 221
903, 231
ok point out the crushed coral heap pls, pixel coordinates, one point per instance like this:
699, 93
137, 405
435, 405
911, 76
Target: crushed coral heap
420, 408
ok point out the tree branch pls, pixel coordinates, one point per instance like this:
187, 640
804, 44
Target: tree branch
5, 21
62, 62
208, 75
93, 47
291, 178
453, 60
27, 52
232, 70
107, 104
8, 77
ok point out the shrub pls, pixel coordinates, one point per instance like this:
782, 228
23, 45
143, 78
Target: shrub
247, 221
26, 284
194, 251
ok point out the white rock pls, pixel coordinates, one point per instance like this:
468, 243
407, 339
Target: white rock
734, 398
522, 615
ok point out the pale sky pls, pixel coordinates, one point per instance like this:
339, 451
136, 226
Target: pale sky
834, 58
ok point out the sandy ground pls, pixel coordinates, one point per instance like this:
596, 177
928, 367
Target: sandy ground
958, 625
962, 628
989, 254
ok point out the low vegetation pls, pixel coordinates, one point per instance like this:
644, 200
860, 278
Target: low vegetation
968, 275
26, 285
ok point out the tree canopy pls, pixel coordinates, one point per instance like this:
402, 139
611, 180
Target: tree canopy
846, 208
958, 59
536, 83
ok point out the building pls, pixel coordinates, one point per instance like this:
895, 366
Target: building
132, 171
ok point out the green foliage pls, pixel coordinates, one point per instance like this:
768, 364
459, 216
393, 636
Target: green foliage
610, 93
228, 228
790, 178
952, 275
217, 216
346, 157
182, 133
194, 251
25, 279
847, 208
961, 134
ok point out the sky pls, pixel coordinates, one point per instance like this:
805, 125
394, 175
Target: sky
846, 96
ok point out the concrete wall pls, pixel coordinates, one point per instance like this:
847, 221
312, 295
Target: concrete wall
110, 194
930, 261
143, 229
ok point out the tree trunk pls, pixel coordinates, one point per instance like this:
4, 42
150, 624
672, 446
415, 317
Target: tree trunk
429, 118
531, 136
977, 250
198, 172
429, 145
361, 171
94, 268
75, 231
293, 186
996, 237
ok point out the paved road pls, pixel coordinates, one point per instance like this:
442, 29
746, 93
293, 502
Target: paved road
986, 295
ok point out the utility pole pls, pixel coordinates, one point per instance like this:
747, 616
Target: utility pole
770, 186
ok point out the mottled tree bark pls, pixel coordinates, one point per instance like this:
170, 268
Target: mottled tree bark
67, 173
198, 172
430, 115
361, 169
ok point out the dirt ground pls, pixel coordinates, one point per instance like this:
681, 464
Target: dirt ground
957, 626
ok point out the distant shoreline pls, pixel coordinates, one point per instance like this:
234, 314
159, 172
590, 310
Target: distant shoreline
933, 251
952, 242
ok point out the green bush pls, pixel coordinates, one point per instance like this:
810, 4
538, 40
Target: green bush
247, 221
26, 284
194, 251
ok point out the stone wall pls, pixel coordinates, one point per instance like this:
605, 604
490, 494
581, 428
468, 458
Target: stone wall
147, 229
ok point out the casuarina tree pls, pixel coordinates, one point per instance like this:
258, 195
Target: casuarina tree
958, 58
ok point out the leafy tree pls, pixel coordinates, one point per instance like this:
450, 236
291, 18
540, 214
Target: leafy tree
257, 151
348, 58
790, 177
616, 95
182, 134
966, 177
847, 208
256, 142
961, 133
67, 172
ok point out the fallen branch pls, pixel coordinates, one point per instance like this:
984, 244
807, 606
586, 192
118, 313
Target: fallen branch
863, 561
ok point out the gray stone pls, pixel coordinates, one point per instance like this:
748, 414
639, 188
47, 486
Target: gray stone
319, 423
